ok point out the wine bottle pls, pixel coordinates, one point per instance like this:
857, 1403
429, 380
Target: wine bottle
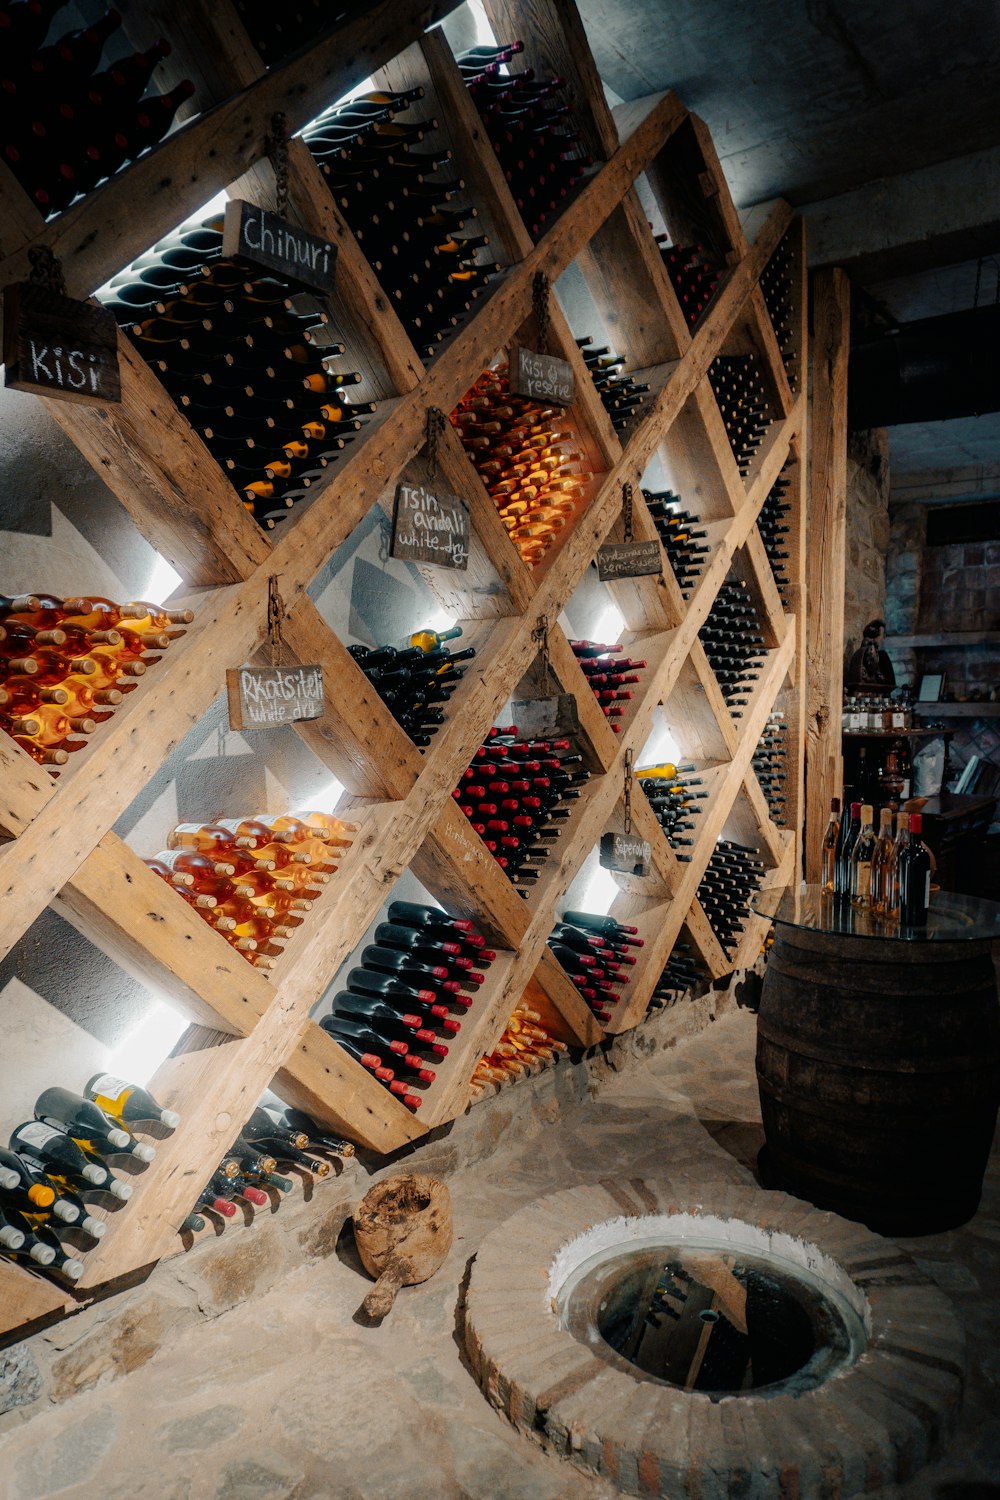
913, 875
127, 1101
64, 1160
846, 840
880, 861
831, 839
862, 853
80, 1118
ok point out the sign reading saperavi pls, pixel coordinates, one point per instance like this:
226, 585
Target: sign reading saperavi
267, 697
56, 346
255, 234
625, 853
628, 560
430, 527
543, 377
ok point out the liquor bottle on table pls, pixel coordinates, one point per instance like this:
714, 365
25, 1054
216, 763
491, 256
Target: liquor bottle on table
831, 840
862, 854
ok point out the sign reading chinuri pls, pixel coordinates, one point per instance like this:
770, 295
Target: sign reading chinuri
267, 697
56, 346
265, 238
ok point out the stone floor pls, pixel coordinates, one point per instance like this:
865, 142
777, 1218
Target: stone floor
289, 1396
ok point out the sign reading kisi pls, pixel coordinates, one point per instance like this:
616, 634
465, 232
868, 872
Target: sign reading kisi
56, 346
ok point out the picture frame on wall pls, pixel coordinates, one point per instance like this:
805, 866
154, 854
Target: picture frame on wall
931, 687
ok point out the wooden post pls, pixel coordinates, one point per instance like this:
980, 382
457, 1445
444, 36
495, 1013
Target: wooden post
825, 559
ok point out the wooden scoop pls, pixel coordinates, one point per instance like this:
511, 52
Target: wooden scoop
403, 1229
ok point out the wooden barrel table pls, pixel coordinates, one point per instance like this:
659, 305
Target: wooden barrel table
878, 1061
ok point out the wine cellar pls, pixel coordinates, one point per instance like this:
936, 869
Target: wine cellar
249, 1028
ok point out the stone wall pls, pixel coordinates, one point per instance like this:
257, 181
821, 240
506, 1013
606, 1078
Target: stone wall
867, 533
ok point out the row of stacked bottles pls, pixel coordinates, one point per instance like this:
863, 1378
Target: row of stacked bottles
409, 994
611, 676
517, 794
248, 357
254, 879
409, 219
596, 953
66, 122
532, 130
66, 664
528, 457
416, 681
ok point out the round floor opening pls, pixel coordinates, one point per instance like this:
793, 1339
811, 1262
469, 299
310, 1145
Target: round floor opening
711, 1318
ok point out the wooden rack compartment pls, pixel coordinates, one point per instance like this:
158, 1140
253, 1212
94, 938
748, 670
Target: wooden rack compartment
247, 1031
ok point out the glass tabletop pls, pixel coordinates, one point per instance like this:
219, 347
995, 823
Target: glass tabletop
950, 918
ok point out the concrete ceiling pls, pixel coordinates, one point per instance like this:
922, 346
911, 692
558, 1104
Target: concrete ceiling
879, 122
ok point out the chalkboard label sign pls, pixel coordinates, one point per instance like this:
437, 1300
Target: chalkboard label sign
628, 560
257, 235
625, 853
56, 346
430, 526
267, 697
542, 377
546, 718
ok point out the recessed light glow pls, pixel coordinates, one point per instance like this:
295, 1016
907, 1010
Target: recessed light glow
138, 1056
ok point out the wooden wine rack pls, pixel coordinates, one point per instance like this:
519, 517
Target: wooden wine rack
247, 1031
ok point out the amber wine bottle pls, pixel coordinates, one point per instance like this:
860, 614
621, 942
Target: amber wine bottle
126, 1101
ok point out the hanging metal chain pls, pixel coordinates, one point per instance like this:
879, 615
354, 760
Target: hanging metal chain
384, 541
627, 511
540, 635
275, 615
434, 431
629, 754
540, 307
46, 270
278, 152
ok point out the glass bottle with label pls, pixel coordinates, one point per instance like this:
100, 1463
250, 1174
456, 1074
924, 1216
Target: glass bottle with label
861, 860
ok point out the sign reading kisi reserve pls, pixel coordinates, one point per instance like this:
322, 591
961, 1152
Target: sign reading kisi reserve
542, 377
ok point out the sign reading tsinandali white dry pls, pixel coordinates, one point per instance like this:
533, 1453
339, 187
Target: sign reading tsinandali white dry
267, 697
430, 526
625, 853
257, 235
56, 346
543, 377
628, 560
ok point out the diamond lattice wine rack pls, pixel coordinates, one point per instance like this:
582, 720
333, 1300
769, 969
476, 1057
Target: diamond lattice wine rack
653, 172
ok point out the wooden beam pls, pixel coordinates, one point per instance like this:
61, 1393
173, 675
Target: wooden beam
826, 565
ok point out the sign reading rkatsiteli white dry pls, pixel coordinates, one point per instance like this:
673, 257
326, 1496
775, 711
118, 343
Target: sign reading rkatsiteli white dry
430, 527
628, 560
625, 853
267, 697
56, 346
255, 234
543, 377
